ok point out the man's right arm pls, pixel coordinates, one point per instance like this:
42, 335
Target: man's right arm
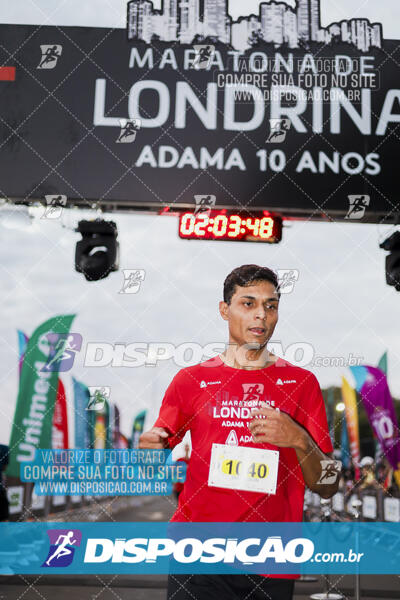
156, 438
172, 421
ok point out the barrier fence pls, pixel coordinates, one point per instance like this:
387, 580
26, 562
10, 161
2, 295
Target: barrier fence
376, 505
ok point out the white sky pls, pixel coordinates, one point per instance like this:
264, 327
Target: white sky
112, 13
340, 304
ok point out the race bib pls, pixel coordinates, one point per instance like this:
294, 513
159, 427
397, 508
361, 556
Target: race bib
240, 468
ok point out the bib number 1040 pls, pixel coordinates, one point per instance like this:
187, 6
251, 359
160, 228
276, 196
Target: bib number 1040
243, 468
256, 470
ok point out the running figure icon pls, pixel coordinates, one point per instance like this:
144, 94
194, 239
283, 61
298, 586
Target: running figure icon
357, 207
50, 56
62, 550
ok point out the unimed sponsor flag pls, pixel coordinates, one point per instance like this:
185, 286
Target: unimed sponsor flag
60, 416
32, 424
371, 383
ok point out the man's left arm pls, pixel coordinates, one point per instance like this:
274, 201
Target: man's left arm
317, 466
315, 450
320, 472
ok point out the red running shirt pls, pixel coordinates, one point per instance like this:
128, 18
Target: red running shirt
213, 401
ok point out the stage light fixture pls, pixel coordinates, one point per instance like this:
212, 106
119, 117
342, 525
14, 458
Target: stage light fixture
97, 254
392, 244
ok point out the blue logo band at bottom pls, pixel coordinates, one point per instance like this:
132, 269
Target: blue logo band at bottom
146, 548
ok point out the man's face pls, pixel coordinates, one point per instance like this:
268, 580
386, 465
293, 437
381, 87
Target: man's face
252, 314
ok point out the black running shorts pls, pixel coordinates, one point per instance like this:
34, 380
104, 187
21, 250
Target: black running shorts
228, 587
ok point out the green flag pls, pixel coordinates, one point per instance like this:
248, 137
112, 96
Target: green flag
107, 416
37, 392
137, 428
382, 364
99, 420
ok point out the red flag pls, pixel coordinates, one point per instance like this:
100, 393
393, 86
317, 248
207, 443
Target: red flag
59, 432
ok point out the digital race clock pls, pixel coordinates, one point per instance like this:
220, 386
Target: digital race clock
231, 226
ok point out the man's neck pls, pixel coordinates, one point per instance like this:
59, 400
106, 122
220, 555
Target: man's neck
231, 359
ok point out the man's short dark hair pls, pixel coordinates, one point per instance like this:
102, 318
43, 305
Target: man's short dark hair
248, 275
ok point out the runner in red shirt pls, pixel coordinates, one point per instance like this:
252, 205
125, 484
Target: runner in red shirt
233, 399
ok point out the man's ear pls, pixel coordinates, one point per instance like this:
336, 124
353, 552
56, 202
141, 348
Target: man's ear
223, 309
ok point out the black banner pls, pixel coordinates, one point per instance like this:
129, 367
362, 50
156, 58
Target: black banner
333, 137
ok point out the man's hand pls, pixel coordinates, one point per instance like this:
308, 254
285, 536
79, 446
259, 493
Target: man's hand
156, 437
278, 428
275, 427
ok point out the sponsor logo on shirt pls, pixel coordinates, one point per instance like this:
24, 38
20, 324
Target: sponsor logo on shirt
252, 391
245, 438
280, 382
232, 439
204, 384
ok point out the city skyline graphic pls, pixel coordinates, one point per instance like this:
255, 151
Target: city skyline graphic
278, 24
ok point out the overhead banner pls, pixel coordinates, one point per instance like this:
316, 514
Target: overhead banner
32, 422
272, 111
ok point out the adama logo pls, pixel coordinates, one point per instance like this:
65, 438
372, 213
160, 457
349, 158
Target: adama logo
204, 384
280, 382
232, 439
